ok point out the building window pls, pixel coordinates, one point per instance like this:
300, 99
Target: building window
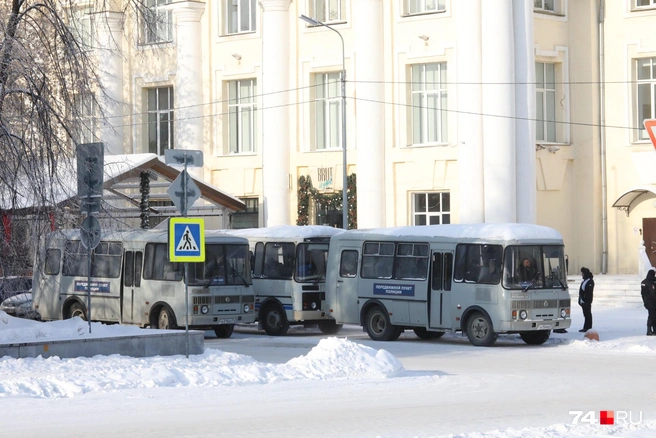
646, 93
239, 16
544, 5
83, 28
431, 208
645, 3
328, 215
156, 23
88, 116
328, 111
545, 89
241, 115
160, 120
429, 104
327, 11
248, 218
413, 7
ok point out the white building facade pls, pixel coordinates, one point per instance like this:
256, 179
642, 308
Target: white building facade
460, 111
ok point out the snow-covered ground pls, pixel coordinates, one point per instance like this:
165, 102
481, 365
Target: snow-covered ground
344, 386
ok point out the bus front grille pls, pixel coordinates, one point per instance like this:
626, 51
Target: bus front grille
565, 303
545, 304
226, 299
199, 301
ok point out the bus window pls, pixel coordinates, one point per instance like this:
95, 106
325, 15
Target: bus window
478, 263
157, 265
377, 260
75, 260
128, 269
258, 260
53, 259
138, 260
279, 260
411, 262
448, 270
348, 266
436, 280
106, 261
311, 262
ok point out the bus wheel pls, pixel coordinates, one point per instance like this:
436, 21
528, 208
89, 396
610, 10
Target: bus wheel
535, 338
275, 321
330, 327
77, 309
379, 327
422, 333
224, 331
479, 330
164, 319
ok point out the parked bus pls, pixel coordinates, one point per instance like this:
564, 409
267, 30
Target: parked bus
133, 282
289, 276
447, 278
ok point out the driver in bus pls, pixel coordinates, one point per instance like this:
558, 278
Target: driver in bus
526, 271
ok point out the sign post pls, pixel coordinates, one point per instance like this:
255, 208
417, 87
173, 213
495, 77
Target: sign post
186, 236
90, 162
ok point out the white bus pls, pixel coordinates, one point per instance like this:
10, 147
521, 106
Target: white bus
133, 282
447, 278
289, 276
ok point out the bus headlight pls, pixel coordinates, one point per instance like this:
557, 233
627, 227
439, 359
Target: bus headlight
563, 313
523, 314
204, 310
247, 308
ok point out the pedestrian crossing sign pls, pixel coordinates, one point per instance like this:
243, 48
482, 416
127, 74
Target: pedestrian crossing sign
186, 239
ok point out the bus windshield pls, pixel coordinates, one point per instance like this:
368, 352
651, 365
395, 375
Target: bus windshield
311, 261
224, 264
534, 267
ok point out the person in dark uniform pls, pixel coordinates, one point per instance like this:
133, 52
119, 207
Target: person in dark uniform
648, 292
526, 271
585, 298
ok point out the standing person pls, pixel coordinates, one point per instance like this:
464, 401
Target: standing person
648, 291
585, 298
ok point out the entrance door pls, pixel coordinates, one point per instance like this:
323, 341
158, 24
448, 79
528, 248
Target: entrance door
344, 302
131, 287
441, 276
649, 236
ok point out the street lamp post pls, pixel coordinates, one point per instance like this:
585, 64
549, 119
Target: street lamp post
314, 22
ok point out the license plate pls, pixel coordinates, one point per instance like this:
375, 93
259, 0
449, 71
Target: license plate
227, 321
545, 327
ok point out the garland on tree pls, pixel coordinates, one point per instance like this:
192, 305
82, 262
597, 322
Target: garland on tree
333, 200
144, 188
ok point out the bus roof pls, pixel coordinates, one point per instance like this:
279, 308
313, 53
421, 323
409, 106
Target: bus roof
508, 233
287, 232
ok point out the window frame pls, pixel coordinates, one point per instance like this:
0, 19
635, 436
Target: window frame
548, 122
440, 7
157, 113
635, 6
235, 143
539, 6
327, 111
156, 23
323, 6
642, 134
427, 213
228, 19
423, 118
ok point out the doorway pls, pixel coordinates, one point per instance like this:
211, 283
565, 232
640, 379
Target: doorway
649, 236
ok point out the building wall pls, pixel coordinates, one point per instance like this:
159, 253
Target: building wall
570, 192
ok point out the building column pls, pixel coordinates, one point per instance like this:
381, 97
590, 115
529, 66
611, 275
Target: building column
276, 179
471, 205
525, 111
499, 111
110, 63
188, 92
370, 112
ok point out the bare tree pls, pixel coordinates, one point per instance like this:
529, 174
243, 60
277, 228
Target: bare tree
50, 91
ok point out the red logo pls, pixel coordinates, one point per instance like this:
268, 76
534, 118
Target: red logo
606, 417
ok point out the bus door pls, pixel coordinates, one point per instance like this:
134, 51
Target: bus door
439, 297
345, 303
131, 288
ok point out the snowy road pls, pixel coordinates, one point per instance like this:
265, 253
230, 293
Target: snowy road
447, 387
